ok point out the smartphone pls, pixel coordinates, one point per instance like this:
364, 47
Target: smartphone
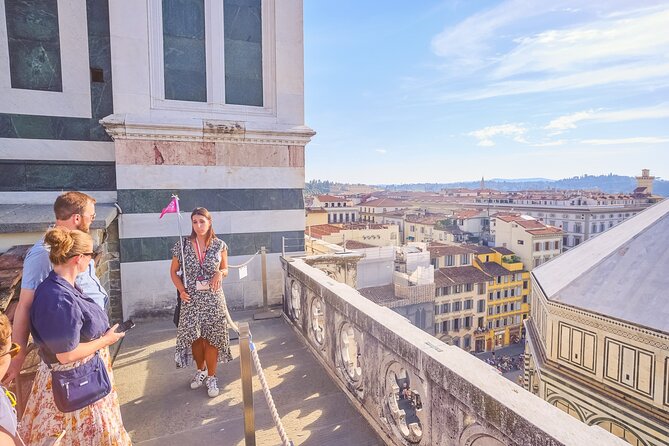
125, 326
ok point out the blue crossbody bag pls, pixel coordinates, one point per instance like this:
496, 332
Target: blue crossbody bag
76, 388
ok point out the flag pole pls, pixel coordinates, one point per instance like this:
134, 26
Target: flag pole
181, 241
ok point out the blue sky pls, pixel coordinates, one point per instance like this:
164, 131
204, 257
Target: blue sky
437, 91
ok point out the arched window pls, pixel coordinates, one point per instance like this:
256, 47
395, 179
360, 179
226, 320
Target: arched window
621, 431
567, 407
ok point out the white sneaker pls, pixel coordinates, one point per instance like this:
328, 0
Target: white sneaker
212, 387
198, 379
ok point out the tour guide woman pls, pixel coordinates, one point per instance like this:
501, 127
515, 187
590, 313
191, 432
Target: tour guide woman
73, 334
202, 333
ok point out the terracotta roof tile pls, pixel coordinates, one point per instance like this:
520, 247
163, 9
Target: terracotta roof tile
459, 275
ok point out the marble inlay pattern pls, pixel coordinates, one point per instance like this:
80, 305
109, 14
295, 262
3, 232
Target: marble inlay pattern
34, 45
243, 52
178, 153
77, 129
184, 50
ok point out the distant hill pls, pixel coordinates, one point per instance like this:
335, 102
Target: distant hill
606, 183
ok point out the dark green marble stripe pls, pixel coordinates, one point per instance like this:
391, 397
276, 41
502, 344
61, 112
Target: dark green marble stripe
66, 128
142, 201
38, 175
159, 248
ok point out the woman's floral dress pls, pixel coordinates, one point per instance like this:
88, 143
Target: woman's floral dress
98, 424
205, 315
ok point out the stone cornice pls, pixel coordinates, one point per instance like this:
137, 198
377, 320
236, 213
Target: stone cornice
125, 126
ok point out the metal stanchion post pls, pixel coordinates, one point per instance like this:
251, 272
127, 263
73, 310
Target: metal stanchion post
265, 313
247, 383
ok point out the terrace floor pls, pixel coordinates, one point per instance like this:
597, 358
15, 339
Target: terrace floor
159, 408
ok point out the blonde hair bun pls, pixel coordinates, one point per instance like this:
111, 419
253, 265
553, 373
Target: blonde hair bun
64, 244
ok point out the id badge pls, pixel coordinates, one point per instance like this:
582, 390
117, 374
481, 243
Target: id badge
201, 284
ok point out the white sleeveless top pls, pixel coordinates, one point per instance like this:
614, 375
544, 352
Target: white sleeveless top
7, 414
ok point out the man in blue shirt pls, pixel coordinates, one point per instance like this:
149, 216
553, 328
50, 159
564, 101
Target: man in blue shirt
74, 210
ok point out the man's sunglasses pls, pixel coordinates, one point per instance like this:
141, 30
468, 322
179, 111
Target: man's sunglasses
14, 350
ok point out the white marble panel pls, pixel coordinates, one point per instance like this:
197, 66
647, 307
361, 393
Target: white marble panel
150, 225
207, 177
147, 287
75, 99
48, 197
47, 149
290, 108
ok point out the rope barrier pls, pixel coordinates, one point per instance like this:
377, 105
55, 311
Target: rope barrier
245, 263
268, 397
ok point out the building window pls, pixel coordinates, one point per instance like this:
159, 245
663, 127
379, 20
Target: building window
436, 309
456, 324
537, 246
480, 306
521, 242
499, 295
490, 296
450, 261
547, 246
480, 288
537, 261
457, 289
467, 322
209, 54
490, 311
525, 284
184, 50
467, 342
243, 52
445, 326
464, 259
469, 304
556, 244
577, 240
445, 308
446, 290
469, 287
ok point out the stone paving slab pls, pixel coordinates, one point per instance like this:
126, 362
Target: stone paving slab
159, 408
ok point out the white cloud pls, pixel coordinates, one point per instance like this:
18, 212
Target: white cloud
567, 122
486, 134
559, 142
601, 42
633, 73
381, 151
637, 140
606, 43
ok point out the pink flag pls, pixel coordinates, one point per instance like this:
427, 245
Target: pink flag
171, 208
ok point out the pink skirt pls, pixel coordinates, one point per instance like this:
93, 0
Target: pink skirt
98, 424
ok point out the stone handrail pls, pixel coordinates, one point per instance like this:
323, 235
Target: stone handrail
451, 397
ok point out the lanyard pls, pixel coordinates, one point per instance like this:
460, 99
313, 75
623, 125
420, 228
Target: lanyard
200, 254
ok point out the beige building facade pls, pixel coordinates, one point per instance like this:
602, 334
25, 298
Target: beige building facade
533, 241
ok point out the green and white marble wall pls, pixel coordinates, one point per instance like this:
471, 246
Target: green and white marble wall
213, 111
56, 84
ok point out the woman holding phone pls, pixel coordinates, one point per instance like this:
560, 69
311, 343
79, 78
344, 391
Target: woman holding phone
73, 334
202, 333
